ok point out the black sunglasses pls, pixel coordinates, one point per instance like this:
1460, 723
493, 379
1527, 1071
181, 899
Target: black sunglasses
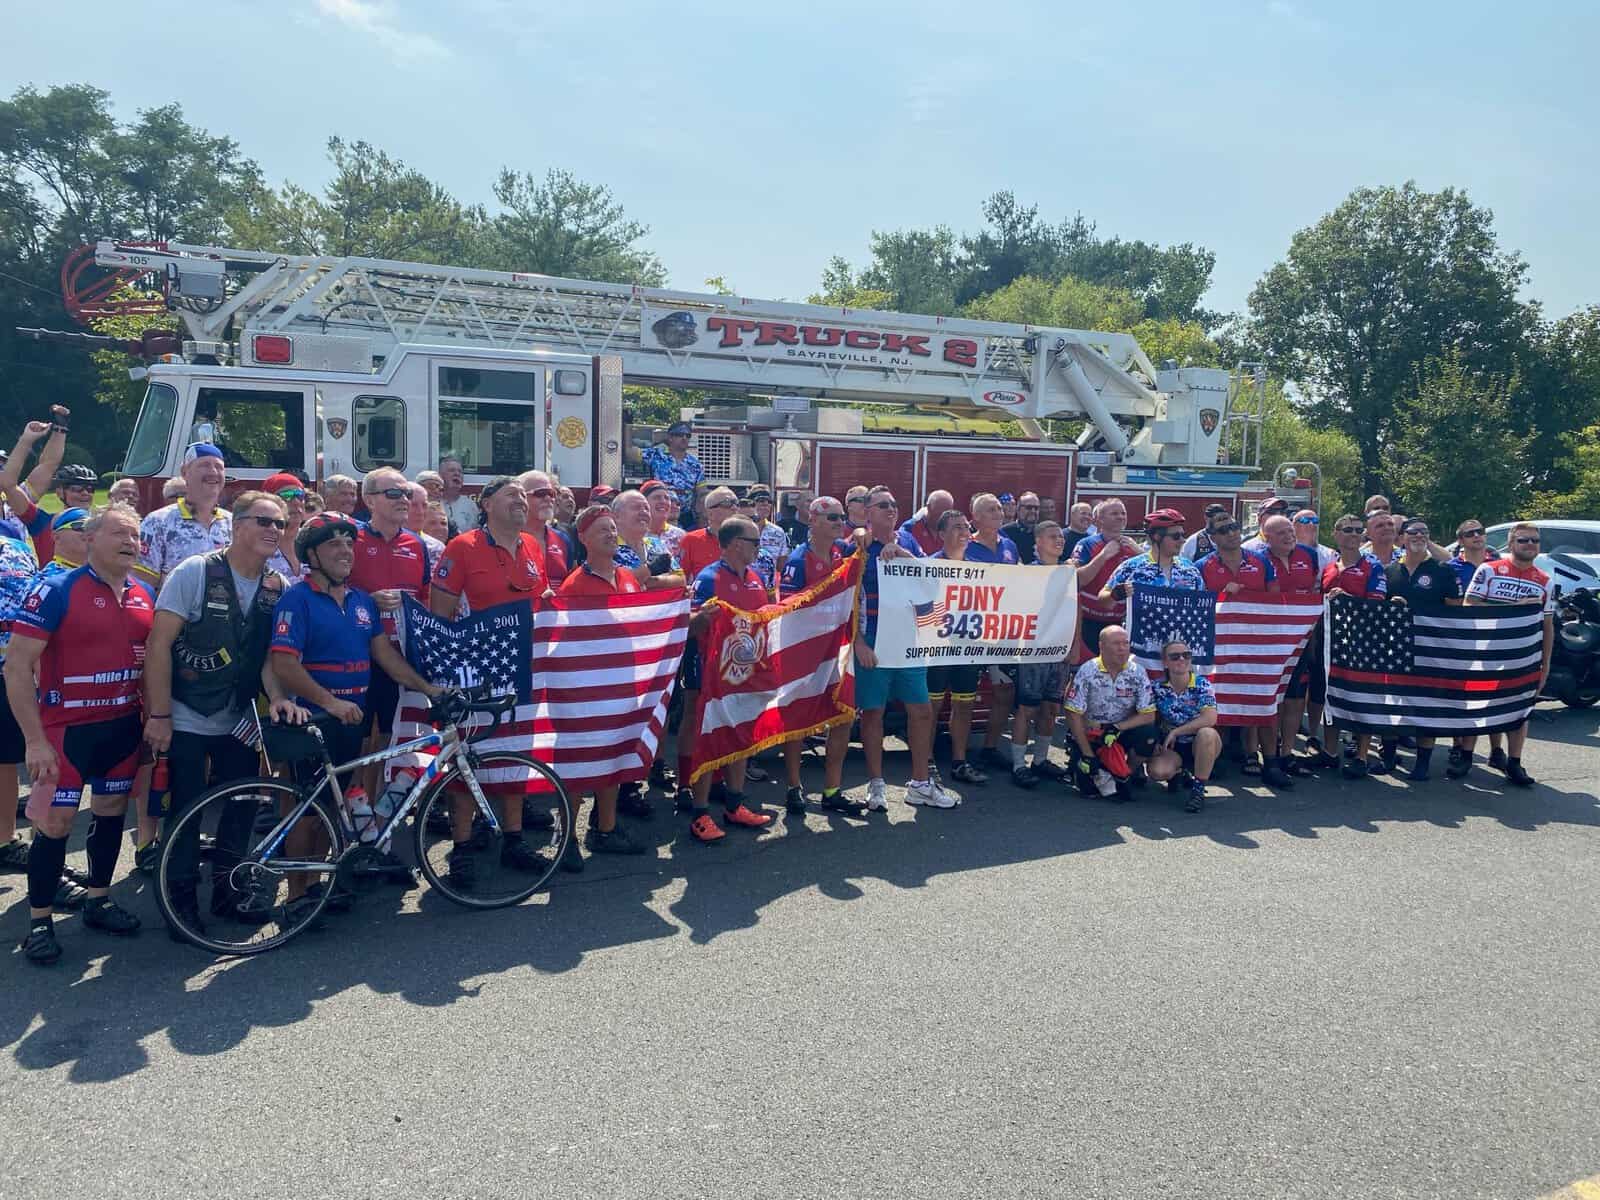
1526, 541
1350, 529
1177, 655
753, 541
832, 516
277, 523
887, 504
1471, 533
1229, 527
392, 494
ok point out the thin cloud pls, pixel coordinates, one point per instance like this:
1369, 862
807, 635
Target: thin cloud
1296, 17
376, 19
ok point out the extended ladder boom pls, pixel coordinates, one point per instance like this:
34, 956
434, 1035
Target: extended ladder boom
679, 339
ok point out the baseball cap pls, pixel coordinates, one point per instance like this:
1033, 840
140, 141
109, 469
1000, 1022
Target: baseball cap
683, 427
758, 493
199, 450
589, 516
602, 493
70, 516
1272, 502
1006, 498
652, 485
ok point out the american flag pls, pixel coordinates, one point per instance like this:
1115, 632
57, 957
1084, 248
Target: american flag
1462, 671
1248, 642
592, 674
931, 613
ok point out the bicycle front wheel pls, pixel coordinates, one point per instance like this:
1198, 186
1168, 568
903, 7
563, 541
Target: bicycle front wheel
477, 864
232, 890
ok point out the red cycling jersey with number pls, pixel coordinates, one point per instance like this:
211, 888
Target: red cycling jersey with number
1105, 612
94, 645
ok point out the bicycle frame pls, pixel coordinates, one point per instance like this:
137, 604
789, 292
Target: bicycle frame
449, 744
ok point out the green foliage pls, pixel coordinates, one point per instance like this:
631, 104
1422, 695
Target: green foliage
562, 226
840, 287
1287, 438
1581, 465
1392, 278
375, 206
1428, 472
1560, 392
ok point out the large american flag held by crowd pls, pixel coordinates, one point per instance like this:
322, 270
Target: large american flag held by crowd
592, 674
777, 674
1462, 671
1246, 644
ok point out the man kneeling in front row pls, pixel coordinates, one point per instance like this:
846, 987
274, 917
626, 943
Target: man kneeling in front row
1111, 712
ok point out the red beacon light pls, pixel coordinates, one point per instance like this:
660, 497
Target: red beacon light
274, 348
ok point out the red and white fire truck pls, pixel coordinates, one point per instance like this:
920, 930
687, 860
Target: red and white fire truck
337, 365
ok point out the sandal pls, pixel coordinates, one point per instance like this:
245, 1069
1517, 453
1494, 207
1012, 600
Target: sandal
1252, 766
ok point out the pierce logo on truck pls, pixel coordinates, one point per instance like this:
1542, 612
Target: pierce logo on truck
1005, 398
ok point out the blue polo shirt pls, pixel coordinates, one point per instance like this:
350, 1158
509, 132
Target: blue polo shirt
334, 644
1005, 551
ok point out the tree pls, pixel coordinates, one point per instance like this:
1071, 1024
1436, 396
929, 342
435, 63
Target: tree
1560, 392
1286, 438
374, 206
562, 226
1392, 278
916, 268
178, 180
842, 288
1428, 474
1581, 464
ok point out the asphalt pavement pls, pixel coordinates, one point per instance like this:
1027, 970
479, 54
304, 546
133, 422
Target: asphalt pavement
1350, 990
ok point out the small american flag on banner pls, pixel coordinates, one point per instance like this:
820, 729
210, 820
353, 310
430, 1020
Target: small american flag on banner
1461, 671
931, 613
1248, 642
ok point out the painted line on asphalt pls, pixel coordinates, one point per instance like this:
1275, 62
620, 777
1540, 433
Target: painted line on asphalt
1580, 1189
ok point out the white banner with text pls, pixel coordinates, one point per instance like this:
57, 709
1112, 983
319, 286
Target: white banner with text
934, 612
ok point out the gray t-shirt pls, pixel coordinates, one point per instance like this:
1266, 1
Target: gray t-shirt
184, 593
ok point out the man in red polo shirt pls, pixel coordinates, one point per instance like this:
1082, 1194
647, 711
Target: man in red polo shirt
390, 563
1297, 571
1096, 557
1230, 569
497, 563
600, 575
554, 555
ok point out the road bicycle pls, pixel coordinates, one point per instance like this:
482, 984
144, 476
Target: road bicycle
253, 891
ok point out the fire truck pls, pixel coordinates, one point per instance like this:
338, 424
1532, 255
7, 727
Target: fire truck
338, 365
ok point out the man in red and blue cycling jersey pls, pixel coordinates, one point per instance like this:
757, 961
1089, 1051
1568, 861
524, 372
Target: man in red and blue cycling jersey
84, 634
1354, 573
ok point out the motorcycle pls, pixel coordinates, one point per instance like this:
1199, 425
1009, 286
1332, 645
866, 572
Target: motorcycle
1575, 658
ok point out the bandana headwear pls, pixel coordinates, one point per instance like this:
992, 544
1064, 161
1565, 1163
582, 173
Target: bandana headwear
590, 515
493, 486
282, 482
198, 450
63, 519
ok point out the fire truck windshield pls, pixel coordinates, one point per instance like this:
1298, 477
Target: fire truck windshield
147, 452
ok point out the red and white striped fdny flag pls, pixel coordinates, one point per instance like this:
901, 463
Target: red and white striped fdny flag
1248, 647
602, 669
777, 674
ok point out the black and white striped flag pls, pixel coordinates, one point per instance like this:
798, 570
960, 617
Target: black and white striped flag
1462, 671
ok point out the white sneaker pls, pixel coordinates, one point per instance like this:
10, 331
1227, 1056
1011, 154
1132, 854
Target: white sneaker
1103, 783
931, 794
877, 796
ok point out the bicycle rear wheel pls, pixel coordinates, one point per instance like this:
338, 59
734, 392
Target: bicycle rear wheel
489, 870
230, 890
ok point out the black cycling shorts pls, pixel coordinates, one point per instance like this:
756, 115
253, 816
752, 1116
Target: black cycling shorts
961, 682
383, 695
13, 747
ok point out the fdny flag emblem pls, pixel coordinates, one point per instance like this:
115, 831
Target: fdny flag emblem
363, 618
445, 567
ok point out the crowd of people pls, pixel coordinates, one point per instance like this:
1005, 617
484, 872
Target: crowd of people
135, 644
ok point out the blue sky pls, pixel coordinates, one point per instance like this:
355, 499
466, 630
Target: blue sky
758, 140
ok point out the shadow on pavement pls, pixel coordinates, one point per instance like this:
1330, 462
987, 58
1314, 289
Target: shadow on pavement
92, 1011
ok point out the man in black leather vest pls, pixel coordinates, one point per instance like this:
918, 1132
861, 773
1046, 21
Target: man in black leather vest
203, 670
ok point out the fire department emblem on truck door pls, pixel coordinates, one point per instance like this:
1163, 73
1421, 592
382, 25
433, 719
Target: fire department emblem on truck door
1208, 420
337, 426
571, 432
676, 330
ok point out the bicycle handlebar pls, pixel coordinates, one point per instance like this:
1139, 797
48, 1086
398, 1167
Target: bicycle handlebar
453, 707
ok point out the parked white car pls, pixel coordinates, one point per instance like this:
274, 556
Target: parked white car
1577, 543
